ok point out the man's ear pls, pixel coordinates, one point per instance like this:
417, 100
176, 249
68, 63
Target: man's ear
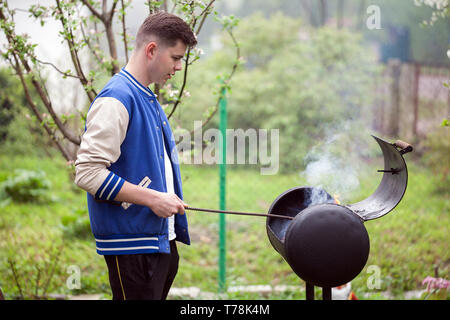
150, 49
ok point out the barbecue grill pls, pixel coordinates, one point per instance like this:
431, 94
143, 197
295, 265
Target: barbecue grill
326, 244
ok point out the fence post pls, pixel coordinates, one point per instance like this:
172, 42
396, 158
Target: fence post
394, 114
416, 98
223, 174
380, 101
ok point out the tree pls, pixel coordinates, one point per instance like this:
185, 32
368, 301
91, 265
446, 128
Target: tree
76, 18
440, 9
299, 79
19, 134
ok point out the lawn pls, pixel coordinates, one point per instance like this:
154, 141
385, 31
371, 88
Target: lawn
42, 241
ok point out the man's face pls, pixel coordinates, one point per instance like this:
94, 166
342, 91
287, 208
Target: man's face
167, 61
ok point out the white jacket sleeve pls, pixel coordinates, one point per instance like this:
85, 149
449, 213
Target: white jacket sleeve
106, 127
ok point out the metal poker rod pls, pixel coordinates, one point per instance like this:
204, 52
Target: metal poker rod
241, 213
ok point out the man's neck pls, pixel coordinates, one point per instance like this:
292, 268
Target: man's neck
139, 73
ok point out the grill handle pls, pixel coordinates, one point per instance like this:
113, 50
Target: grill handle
240, 213
404, 146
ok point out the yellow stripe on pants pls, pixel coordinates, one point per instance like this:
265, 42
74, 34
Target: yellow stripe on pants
120, 279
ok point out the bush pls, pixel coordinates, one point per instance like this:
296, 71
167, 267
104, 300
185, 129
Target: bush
20, 132
26, 186
76, 224
31, 265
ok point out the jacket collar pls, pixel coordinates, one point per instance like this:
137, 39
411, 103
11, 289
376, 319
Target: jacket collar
136, 83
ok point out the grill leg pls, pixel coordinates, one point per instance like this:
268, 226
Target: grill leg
309, 291
326, 293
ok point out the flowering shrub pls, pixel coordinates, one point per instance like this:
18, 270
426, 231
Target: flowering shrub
437, 288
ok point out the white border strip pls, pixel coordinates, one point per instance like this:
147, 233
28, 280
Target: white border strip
101, 194
128, 248
114, 188
137, 84
125, 240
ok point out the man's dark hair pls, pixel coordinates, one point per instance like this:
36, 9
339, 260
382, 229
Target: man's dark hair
168, 28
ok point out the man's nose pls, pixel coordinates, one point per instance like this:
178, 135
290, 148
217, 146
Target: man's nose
178, 66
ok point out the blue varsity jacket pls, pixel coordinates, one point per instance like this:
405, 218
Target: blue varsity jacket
136, 229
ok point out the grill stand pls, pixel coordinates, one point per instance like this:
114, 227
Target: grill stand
326, 292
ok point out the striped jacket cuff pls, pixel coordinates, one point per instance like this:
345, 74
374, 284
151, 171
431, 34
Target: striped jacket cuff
109, 188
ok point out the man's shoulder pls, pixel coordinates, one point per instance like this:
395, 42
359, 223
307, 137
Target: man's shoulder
117, 86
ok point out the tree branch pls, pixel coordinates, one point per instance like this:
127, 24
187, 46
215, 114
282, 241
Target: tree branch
112, 46
180, 94
113, 8
35, 110
226, 81
309, 13
66, 74
323, 12
124, 30
74, 54
106, 17
204, 14
89, 44
92, 9
107, 21
20, 59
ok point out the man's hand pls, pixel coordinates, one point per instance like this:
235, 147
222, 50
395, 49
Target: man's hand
167, 205
162, 204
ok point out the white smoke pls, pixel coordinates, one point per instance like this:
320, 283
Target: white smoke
334, 163
331, 174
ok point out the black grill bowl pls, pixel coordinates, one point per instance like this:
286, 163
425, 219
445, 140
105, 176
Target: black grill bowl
327, 245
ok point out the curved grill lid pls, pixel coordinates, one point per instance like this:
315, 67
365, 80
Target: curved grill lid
393, 184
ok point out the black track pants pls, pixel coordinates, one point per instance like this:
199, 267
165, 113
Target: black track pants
142, 276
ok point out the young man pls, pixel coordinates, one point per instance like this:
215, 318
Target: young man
127, 162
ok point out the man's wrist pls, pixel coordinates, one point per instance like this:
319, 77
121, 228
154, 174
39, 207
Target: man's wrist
150, 197
135, 194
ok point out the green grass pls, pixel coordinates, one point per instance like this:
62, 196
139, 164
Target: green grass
407, 244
